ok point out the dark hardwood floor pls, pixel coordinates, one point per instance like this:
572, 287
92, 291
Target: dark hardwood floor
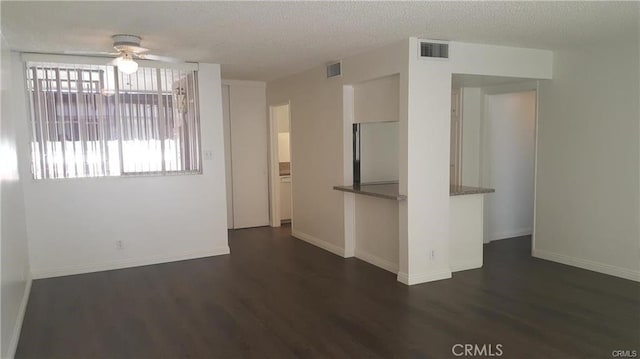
278, 297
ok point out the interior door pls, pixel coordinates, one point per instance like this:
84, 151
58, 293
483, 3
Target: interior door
227, 153
249, 155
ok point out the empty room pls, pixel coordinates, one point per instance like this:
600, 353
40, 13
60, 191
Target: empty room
344, 179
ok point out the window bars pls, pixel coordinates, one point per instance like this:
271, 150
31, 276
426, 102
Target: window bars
92, 121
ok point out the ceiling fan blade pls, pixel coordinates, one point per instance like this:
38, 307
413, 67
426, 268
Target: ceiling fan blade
131, 48
159, 58
92, 53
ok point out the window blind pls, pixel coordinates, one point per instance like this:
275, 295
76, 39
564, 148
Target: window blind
91, 120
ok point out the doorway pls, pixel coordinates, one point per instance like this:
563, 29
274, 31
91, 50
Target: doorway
509, 163
494, 126
280, 174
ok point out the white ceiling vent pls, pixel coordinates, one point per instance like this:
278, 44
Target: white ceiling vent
434, 49
334, 69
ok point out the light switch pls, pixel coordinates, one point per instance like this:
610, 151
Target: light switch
208, 155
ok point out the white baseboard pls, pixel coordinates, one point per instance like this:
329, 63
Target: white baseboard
588, 264
423, 277
509, 234
319, 243
15, 336
126, 263
377, 261
466, 265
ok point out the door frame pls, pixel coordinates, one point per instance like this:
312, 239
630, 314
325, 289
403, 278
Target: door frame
274, 169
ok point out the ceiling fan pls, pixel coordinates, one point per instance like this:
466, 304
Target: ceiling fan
127, 50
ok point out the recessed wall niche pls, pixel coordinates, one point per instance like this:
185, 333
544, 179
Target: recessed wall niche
375, 130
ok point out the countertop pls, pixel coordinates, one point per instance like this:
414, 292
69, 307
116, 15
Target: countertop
464, 190
391, 190
380, 190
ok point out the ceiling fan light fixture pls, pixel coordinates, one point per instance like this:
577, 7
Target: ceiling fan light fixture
126, 65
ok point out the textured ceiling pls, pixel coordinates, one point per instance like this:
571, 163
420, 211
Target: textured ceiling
267, 40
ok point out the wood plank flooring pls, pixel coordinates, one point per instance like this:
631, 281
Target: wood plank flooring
279, 297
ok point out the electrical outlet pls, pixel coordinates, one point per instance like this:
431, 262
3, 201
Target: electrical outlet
208, 155
119, 245
433, 254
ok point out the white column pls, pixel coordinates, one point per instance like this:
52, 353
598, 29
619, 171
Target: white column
424, 217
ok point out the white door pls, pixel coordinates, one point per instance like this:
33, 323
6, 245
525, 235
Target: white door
227, 153
248, 142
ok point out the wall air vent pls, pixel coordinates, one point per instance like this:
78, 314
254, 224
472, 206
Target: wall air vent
334, 69
434, 49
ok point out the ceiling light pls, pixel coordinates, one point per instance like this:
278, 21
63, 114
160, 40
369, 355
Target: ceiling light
126, 65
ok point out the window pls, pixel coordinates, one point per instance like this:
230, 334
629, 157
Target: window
92, 121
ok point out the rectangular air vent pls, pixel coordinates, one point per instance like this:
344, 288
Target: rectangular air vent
434, 49
334, 69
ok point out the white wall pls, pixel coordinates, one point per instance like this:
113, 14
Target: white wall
424, 177
492, 60
319, 157
376, 106
376, 228
249, 155
377, 100
508, 163
466, 230
316, 154
13, 235
379, 148
73, 224
587, 186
